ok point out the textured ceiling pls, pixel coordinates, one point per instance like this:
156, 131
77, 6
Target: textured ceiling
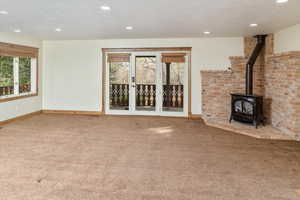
83, 19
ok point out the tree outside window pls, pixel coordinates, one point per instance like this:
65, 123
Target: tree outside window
6, 75
24, 74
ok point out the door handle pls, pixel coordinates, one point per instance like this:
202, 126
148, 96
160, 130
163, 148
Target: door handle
133, 81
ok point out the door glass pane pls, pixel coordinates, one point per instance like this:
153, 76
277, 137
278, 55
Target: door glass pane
119, 85
173, 86
145, 73
24, 75
6, 75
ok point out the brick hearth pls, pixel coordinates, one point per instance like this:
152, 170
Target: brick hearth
265, 132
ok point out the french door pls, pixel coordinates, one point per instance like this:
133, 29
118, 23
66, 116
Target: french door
147, 83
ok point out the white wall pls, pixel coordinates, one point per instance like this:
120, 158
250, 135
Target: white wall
24, 106
287, 39
72, 69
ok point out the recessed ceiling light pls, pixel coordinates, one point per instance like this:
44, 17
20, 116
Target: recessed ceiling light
129, 27
207, 32
282, 1
253, 25
3, 12
58, 30
17, 31
105, 8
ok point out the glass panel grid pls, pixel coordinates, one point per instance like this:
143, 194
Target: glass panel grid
6, 75
145, 75
119, 85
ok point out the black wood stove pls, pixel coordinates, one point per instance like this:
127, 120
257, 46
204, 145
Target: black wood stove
248, 108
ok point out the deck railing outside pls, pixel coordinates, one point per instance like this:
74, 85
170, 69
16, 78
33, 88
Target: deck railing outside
9, 90
173, 96
146, 95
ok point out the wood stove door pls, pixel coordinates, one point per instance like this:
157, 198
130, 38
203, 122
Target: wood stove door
242, 110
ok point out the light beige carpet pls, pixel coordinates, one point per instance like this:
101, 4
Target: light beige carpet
63, 157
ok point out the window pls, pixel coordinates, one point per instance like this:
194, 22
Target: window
18, 71
6, 75
24, 75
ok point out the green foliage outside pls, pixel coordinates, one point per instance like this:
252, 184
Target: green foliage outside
24, 71
7, 72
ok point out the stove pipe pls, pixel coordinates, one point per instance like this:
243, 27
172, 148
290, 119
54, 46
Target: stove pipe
261, 40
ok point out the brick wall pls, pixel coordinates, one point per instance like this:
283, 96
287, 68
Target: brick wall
282, 83
216, 101
277, 77
217, 85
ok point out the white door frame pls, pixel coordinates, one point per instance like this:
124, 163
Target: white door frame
132, 94
157, 81
107, 85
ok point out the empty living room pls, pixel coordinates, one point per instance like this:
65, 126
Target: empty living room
150, 100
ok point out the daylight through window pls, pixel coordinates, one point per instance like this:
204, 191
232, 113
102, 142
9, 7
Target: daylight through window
18, 71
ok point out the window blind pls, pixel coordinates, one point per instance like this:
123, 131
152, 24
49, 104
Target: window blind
18, 50
118, 57
173, 57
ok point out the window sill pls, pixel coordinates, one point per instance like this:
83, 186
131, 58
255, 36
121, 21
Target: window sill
6, 99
